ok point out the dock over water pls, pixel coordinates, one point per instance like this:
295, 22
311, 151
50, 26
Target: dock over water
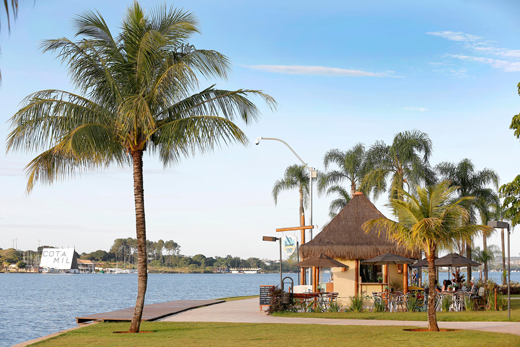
150, 312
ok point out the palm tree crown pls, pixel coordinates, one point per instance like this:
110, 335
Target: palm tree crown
429, 219
137, 92
406, 160
295, 177
472, 183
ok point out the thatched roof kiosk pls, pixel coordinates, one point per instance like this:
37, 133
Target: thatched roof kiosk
343, 237
344, 240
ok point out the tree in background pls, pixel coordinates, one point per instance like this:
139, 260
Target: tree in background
471, 183
485, 256
295, 177
510, 209
352, 168
136, 93
429, 219
405, 162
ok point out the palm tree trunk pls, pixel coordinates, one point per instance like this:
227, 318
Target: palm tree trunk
468, 255
352, 189
432, 317
303, 279
142, 273
503, 259
484, 246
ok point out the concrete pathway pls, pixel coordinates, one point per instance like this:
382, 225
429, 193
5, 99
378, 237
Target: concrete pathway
248, 311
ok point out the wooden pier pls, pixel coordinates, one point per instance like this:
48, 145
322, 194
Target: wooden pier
150, 312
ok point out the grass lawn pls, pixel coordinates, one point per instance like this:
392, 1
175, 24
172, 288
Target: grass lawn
287, 335
471, 316
234, 298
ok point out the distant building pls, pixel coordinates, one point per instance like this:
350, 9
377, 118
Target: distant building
59, 260
86, 266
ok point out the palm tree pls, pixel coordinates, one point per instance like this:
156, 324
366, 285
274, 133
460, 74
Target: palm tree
295, 177
337, 204
485, 256
135, 93
430, 220
406, 161
352, 167
510, 208
471, 183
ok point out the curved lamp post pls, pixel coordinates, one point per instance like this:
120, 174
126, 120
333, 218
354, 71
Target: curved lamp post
504, 225
312, 172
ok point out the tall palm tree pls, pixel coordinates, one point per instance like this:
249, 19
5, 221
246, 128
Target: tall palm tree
295, 177
406, 161
428, 219
510, 208
337, 204
352, 168
485, 256
471, 183
135, 94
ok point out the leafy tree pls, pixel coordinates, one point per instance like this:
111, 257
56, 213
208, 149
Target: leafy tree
429, 219
135, 94
406, 161
511, 205
471, 183
21, 264
200, 259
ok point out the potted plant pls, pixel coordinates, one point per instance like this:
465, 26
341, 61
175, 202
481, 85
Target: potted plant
380, 279
450, 288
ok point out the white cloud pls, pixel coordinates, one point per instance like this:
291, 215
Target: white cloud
318, 70
455, 36
419, 109
483, 47
508, 66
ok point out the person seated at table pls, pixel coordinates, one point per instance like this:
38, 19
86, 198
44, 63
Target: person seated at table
444, 285
473, 283
437, 288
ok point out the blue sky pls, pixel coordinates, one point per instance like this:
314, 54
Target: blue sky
341, 73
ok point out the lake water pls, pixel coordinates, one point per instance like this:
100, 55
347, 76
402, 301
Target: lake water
35, 305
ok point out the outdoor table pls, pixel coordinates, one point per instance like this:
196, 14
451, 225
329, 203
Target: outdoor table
306, 299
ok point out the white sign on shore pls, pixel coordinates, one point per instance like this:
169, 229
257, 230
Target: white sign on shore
57, 258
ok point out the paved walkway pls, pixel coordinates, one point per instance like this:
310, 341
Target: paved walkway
248, 311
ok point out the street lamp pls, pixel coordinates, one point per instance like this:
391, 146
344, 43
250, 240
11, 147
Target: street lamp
274, 239
504, 225
312, 172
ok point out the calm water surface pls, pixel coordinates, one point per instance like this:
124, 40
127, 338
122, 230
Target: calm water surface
35, 305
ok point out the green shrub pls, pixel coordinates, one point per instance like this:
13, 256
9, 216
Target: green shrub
469, 303
356, 303
446, 303
411, 304
379, 306
501, 302
334, 307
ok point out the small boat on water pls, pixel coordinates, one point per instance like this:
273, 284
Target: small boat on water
249, 271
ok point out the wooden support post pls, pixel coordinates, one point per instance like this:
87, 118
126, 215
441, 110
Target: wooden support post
405, 278
313, 279
303, 280
356, 273
386, 274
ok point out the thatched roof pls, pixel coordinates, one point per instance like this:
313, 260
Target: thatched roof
343, 237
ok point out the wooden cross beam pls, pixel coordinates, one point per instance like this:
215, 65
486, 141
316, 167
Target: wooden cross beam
303, 227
